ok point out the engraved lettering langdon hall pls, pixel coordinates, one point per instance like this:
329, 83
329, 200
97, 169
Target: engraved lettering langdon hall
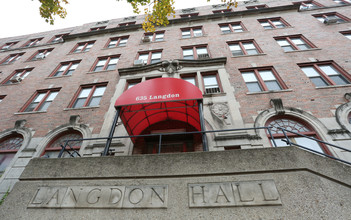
223, 194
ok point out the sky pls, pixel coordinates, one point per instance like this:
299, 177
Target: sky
21, 17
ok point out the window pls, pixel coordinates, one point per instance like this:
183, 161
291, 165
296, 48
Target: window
195, 52
17, 76
189, 15
41, 54
150, 57
232, 27
211, 83
306, 5
11, 58
53, 149
97, 28
346, 34
117, 42
8, 148
325, 73
271, 23
191, 32
298, 126
222, 11
253, 7
342, 2
2, 97
349, 118
262, 79
8, 45
191, 78
57, 38
41, 100
295, 42
32, 42
83, 47
65, 69
105, 63
331, 18
88, 96
245, 47
126, 24
154, 37
131, 83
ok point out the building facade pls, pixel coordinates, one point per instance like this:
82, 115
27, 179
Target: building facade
264, 64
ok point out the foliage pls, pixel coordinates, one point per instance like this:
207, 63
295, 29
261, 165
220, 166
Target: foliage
4, 197
156, 12
51, 8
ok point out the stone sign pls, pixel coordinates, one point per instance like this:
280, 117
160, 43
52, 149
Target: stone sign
246, 193
101, 197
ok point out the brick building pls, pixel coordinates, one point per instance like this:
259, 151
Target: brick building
266, 63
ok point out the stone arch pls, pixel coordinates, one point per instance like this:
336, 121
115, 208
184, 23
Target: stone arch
342, 115
73, 125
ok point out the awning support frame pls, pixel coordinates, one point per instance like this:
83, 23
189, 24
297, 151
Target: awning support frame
112, 131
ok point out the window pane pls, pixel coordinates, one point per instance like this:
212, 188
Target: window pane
156, 56
197, 32
5, 160
310, 71
225, 29
84, 93
318, 81
267, 75
39, 97
249, 46
249, 77
279, 142
187, 52
210, 80
237, 28
74, 66
288, 48
297, 41
79, 103
273, 85
190, 79
44, 106
283, 43
201, 50
143, 57
99, 91
234, 47
251, 52
113, 60
51, 96
305, 142
31, 107
329, 70
101, 62
94, 101
339, 80
253, 87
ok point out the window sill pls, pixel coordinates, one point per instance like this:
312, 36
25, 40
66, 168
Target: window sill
279, 28
214, 94
108, 48
10, 84
55, 77
151, 42
33, 60
78, 53
260, 54
312, 49
331, 87
26, 113
205, 35
235, 33
81, 108
101, 71
271, 91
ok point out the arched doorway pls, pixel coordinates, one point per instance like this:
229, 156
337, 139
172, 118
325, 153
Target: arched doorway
297, 125
53, 149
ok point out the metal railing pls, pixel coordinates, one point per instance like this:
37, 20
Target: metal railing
68, 149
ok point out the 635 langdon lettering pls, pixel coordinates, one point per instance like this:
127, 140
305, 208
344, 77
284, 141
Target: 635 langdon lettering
157, 97
101, 197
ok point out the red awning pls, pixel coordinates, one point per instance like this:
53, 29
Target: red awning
157, 100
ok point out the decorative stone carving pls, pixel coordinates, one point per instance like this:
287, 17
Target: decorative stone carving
20, 123
130, 18
347, 96
221, 112
188, 10
74, 119
170, 67
278, 106
102, 22
219, 6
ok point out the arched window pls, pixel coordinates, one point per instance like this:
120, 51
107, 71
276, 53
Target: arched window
298, 126
54, 147
349, 118
9, 146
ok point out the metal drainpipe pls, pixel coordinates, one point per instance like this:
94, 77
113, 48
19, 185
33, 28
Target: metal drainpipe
202, 124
